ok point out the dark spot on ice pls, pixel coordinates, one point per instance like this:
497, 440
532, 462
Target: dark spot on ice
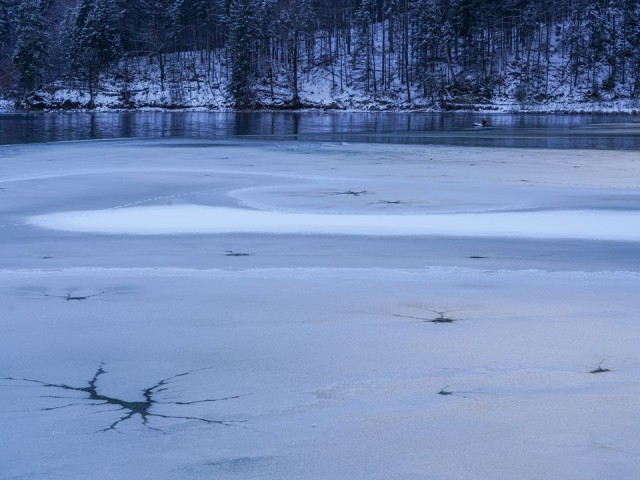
389, 202
231, 253
440, 318
600, 369
477, 256
445, 392
355, 193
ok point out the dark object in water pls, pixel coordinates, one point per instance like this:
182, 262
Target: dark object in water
483, 123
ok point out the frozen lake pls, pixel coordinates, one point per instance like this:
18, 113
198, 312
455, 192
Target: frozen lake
251, 305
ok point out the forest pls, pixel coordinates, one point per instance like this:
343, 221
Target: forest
375, 54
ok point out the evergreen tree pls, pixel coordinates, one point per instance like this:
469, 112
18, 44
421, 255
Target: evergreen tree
433, 39
32, 43
631, 46
243, 41
576, 41
6, 14
365, 17
295, 19
459, 48
94, 39
596, 44
158, 27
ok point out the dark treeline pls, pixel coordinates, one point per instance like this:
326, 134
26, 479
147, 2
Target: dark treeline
428, 52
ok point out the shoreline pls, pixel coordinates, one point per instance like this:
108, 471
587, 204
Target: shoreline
587, 108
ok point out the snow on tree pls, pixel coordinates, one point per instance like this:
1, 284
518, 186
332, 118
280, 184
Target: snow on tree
32, 43
94, 39
243, 40
254, 53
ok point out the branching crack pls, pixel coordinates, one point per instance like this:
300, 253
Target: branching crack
441, 317
70, 296
129, 409
600, 369
351, 192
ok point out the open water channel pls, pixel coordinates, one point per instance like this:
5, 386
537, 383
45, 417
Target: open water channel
617, 132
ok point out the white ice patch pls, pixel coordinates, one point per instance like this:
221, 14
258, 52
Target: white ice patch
194, 219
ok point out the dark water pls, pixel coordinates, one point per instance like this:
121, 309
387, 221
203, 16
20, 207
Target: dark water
535, 131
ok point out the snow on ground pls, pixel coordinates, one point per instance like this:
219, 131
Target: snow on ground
199, 81
304, 355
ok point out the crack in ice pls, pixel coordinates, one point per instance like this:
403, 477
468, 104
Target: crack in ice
129, 408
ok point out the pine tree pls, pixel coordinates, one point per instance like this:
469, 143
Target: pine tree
6, 14
631, 46
365, 17
32, 43
243, 40
158, 29
94, 39
295, 19
434, 37
7, 26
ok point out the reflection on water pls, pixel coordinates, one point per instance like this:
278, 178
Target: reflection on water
538, 131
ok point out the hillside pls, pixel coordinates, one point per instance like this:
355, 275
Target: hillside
570, 56
190, 85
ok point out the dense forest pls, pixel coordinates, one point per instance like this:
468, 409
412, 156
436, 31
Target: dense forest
439, 54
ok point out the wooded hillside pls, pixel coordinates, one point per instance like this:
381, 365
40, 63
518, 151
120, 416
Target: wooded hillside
333, 53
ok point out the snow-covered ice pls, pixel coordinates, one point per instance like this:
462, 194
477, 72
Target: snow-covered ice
198, 309
604, 225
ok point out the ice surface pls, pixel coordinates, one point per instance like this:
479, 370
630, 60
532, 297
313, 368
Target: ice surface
308, 356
